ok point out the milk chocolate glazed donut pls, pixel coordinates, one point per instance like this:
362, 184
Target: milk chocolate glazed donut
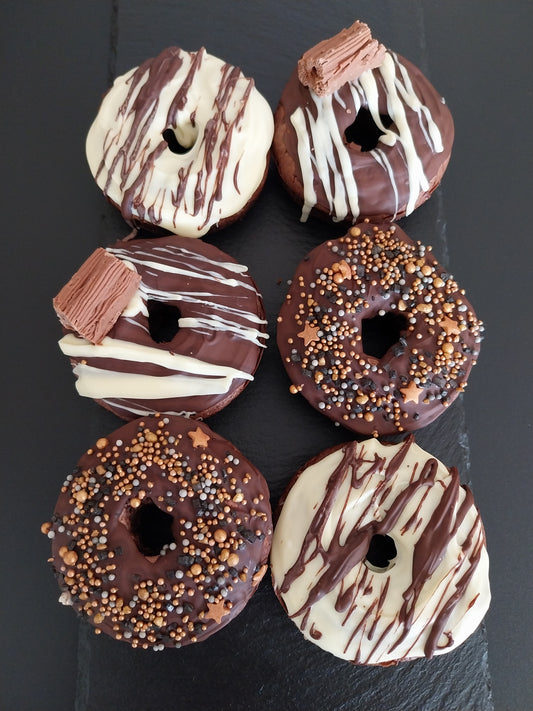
188, 340
375, 147
375, 333
161, 534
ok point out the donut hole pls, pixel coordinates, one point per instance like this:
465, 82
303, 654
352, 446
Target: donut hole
180, 139
381, 332
163, 320
381, 553
364, 131
151, 528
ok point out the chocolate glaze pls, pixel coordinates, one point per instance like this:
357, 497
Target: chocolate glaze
220, 529
376, 270
221, 322
368, 493
382, 178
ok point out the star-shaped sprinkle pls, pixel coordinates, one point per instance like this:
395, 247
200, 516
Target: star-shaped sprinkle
216, 611
450, 327
309, 334
411, 393
199, 437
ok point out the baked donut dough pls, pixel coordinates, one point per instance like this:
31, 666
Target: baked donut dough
375, 333
188, 340
379, 554
375, 147
161, 534
181, 143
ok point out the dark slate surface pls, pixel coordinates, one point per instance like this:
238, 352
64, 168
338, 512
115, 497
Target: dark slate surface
57, 60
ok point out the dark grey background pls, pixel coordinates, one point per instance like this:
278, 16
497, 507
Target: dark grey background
57, 60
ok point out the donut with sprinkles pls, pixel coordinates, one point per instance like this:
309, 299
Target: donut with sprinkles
161, 534
371, 140
167, 324
375, 333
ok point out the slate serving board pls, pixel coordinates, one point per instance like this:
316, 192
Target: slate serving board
260, 660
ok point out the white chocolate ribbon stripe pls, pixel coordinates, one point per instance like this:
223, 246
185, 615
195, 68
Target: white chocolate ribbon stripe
77, 347
102, 384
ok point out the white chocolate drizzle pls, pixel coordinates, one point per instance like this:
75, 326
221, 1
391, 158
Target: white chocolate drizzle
206, 270
324, 156
217, 301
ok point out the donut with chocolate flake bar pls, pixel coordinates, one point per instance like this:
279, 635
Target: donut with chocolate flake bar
360, 131
181, 143
167, 324
161, 534
379, 554
375, 333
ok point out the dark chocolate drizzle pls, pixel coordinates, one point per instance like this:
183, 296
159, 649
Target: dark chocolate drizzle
338, 559
159, 72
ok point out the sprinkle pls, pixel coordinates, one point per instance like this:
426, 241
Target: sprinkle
199, 438
309, 334
450, 327
216, 611
411, 393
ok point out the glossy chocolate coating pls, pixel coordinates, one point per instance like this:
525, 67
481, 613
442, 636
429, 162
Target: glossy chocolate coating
350, 183
342, 286
161, 534
208, 358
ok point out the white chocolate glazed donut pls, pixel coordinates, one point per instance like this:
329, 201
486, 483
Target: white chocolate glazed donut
427, 597
181, 143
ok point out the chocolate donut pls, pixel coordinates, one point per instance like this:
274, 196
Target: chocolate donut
161, 534
379, 554
375, 147
375, 333
181, 143
185, 338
